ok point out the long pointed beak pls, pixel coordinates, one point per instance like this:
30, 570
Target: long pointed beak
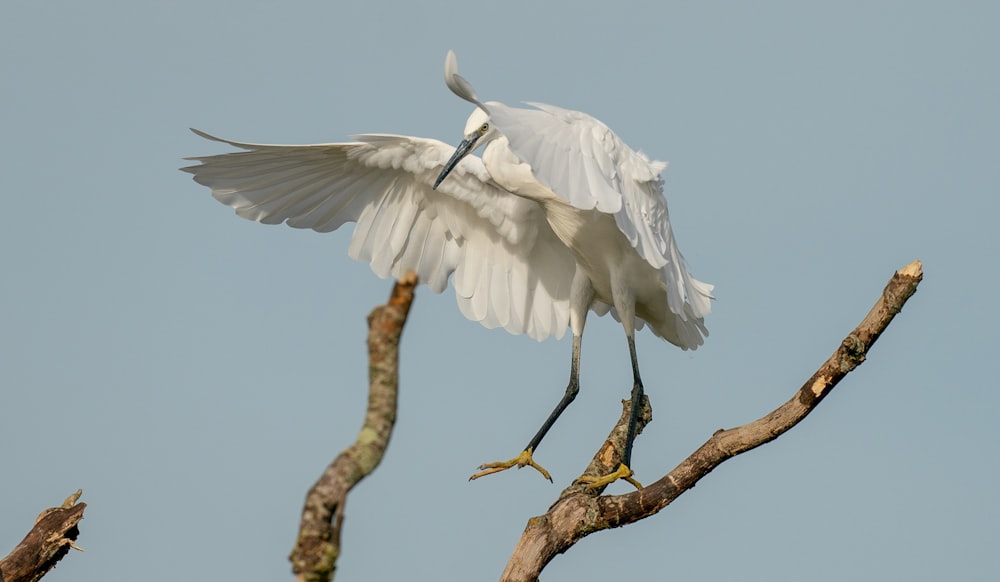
463, 149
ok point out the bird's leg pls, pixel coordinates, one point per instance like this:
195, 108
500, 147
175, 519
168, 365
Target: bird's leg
624, 300
637, 394
525, 458
623, 471
581, 296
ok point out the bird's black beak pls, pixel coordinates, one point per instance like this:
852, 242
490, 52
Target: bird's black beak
463, 149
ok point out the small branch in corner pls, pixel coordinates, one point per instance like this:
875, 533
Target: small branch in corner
54, 533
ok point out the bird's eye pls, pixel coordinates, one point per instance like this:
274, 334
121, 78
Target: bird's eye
484, 128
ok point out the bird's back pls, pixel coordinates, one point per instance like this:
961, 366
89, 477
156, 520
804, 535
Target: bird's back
605, 203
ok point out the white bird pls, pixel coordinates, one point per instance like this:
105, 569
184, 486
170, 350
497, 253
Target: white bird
558, 217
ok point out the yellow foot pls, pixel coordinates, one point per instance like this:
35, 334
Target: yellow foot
522, 460
622, 472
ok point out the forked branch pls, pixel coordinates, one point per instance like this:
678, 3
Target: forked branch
579, 512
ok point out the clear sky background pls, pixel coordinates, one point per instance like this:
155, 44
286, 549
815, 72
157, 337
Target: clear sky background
194, 372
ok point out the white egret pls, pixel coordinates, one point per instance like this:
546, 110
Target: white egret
558, 217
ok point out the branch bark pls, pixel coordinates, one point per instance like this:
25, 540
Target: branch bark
579, 512
314, 557
54, 533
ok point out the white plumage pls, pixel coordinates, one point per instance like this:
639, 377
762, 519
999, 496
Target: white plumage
509, 269
558, 217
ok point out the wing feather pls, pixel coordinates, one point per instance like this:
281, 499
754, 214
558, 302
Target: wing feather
510, 269
583, 162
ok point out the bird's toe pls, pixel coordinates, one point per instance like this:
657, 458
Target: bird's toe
622, 472
522, 460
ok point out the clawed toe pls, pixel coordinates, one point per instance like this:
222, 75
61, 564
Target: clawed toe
523, 460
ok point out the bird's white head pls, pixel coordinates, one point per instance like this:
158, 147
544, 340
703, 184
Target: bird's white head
478, 129
478, 132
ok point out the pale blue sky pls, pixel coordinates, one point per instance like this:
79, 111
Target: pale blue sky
194, 372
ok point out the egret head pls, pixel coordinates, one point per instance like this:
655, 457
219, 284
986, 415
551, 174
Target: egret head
478, 131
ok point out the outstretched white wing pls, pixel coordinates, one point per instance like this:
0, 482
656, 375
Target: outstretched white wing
510, 269
583, 162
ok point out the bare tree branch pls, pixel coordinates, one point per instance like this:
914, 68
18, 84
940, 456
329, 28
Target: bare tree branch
54, 533
314, 557
579, 512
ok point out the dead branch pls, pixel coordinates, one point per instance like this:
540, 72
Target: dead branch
579, 512
314, 557
54, 533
